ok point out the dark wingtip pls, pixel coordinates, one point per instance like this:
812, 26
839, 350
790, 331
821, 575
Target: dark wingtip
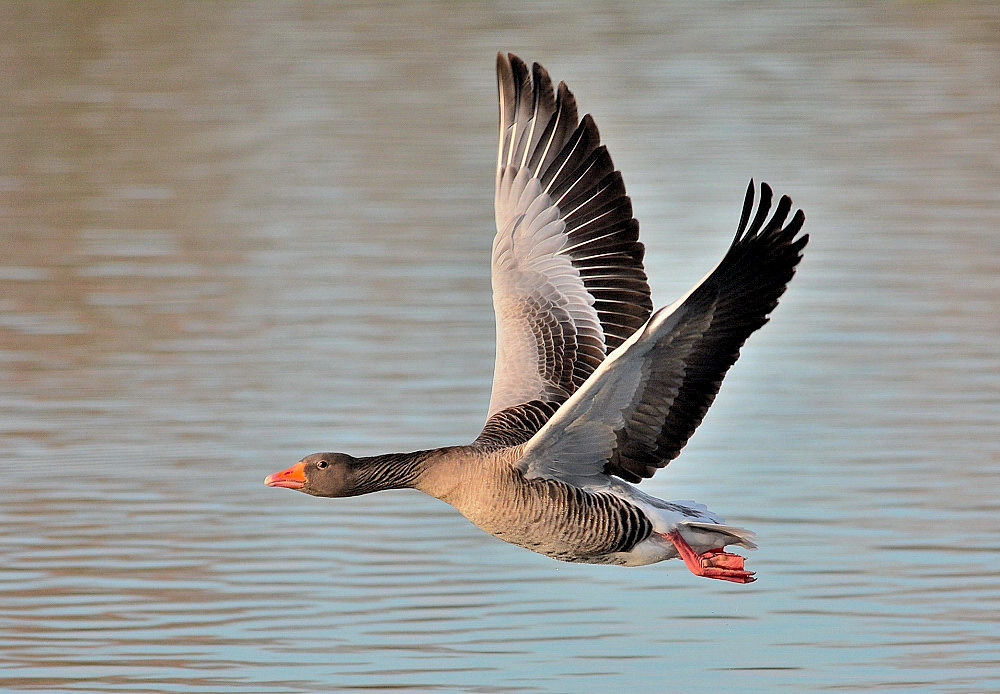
758, 220
504, 61
747, 207
780, 214
504, 71
798, 220
520, 69
588, 124
763, 207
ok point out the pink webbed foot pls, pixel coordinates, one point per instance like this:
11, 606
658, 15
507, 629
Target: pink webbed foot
715, 563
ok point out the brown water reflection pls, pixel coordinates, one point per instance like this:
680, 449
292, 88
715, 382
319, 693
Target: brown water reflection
236, 233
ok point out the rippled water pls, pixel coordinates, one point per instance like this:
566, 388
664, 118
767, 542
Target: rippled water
234, 234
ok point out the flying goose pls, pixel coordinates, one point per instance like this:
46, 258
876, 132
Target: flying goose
592, 390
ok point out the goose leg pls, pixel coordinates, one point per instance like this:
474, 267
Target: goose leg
715, 563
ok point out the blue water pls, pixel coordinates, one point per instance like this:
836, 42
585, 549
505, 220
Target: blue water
236, 234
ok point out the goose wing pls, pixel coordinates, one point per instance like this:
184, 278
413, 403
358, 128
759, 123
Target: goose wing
638, 409
567, 274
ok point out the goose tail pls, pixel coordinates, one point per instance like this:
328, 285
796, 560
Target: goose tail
703, 536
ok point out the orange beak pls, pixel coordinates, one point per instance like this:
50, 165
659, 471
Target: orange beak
292, 478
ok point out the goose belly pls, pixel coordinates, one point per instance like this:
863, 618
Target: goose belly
560, 521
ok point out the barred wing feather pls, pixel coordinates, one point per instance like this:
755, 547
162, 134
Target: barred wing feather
567, 274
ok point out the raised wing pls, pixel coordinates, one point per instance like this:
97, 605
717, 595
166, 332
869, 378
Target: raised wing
641, 406
568, 281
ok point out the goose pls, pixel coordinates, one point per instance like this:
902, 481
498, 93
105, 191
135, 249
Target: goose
592, 390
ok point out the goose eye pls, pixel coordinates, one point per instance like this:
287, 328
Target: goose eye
322, 465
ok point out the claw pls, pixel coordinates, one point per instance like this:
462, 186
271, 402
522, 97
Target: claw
715, 563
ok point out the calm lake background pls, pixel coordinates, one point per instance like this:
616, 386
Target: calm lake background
233, 234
